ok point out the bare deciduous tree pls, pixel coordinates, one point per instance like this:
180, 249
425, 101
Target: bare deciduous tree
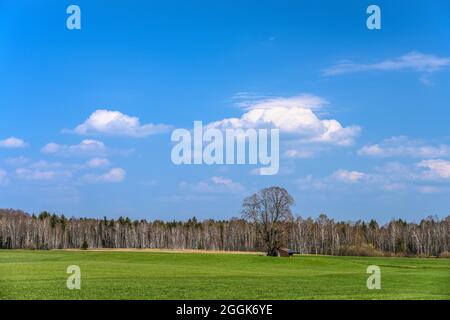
270, 212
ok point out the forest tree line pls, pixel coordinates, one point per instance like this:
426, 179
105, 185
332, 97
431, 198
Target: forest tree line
429, 237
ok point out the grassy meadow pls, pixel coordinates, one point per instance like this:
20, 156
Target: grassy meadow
171, 275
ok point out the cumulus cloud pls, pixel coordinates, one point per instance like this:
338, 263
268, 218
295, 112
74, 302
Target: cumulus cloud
305, 101
40, 174
115, 123
426, 176
17, 161
224, 182
302, 153
98, 163
413, 61
86, 147
349, 176
297, 119
310, 183
115, 175
436, 168
42, 164
12, 143
43, 170
213, 185
63, 172
188, 198
402, 146
344, 180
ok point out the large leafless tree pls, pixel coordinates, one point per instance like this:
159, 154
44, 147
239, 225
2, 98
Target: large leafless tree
270, 211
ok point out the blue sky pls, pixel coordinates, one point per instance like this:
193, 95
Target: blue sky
160, 65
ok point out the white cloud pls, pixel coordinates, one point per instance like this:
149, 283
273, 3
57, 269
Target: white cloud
13, 143
301, 153
17, 161
86, 147
115, 175
63, 172
98, 163
115, 123
437, 168
223, 181
40, 174
345, 180
315, 184
305, 101
413, 61
349, 176
43, 170
296, 119
427, 176
402, 146
45, 165
425, 171
3, 177
213, 185
188, 198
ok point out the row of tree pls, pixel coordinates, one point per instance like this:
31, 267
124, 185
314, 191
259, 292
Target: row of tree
430, 237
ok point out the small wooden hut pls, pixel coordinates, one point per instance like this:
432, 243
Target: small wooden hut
284, 252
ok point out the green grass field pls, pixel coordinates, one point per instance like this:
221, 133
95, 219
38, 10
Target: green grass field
143, 275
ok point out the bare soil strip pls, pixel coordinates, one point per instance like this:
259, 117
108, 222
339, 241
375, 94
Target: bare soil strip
165, 251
